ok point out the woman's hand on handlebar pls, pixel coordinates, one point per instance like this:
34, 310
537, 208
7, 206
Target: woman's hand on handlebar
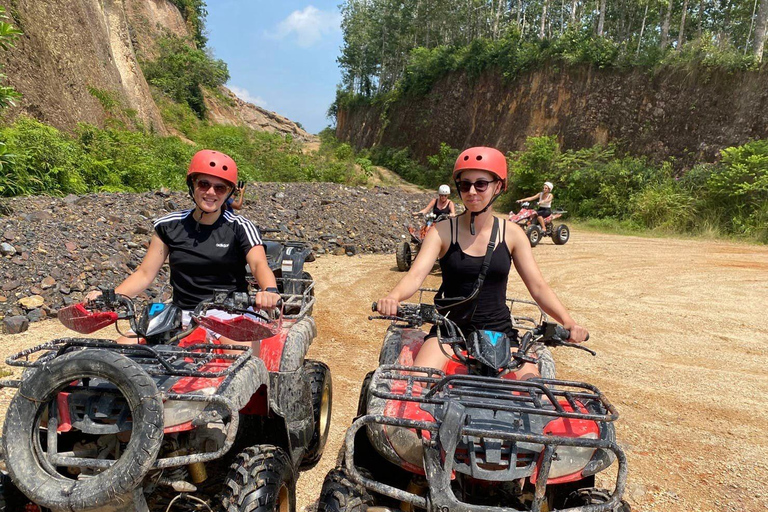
388, 306
93, 295
578, 333
266, 300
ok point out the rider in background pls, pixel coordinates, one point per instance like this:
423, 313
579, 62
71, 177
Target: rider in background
206, 246
440, 205
233, 203
480, 175
544, 198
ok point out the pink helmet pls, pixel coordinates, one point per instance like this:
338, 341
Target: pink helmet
482, 159
213, 163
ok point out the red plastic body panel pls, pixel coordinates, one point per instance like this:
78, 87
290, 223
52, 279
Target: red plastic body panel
79, 319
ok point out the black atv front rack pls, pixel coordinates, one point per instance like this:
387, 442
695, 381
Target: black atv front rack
535, 396
156, 360
459, 404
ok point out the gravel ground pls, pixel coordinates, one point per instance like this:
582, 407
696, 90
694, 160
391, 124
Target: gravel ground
682, 353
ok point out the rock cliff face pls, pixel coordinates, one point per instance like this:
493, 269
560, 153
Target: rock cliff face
74, 50
689, 115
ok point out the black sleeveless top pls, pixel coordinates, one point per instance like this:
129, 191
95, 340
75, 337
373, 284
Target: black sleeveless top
444, 211
460, 272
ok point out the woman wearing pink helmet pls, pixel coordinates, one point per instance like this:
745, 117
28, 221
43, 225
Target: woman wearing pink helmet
480, 175
206, 246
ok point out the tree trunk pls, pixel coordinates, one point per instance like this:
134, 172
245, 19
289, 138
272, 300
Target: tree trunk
519, 13
543, 19
760, 30
681, 34
573, 12
701, 19
642, 29
601, 19
665, 26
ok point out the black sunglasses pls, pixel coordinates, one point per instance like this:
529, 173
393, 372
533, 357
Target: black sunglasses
480, 185
205, 185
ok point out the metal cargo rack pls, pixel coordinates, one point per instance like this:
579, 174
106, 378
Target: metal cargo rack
302, 303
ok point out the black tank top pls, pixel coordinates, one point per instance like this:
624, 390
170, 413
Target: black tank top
460, 273
445, 211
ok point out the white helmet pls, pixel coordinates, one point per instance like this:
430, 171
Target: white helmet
549, 184
444, 190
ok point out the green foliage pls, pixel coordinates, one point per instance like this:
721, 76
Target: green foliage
8, 36
181, 71
38, 159
619, 192
194, 13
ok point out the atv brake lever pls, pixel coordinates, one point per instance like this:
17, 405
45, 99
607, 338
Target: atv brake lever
559, 343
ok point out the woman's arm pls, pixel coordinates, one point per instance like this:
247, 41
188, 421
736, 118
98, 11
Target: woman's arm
410, 283
525, 264
237, 204
257, 260
147, 271
429, 207
452, 208
529, 198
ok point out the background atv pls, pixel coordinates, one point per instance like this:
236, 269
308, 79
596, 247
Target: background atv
407, 250
470, 437
526, 218
286, 258
180, 422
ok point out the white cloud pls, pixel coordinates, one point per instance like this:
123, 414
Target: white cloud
309, 25
244, 95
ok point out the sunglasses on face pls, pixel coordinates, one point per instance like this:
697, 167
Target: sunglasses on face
480, 185
205, 186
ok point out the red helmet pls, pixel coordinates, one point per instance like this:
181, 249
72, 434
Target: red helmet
482, 159
213, 163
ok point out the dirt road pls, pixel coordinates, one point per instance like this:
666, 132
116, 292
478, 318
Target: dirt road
682, 352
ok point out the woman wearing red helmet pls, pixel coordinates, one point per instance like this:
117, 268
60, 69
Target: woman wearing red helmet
480, 174
206, 247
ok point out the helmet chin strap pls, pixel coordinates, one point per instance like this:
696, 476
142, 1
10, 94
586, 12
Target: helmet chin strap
472, 215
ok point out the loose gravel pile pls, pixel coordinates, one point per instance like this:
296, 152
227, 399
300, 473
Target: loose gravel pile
54, 250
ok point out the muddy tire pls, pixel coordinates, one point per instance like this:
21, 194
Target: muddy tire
403, 256
340, 494
260, 480
546, 362
362, 401
561, 234
27, 464
533, 232
11, 498
321, 388
594, 496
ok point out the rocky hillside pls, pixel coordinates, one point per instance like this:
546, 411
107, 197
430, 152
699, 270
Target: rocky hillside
53, 250
73, 50
687, 114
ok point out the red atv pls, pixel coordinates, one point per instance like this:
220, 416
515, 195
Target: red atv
526, 218
407, 250
178, 421
469, 437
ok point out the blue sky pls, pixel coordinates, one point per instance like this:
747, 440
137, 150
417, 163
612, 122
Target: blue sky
281, 54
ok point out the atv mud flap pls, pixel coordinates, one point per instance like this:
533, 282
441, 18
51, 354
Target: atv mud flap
455, 397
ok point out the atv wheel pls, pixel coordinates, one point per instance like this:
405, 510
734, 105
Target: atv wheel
561, 234
594, 496
534, 234
403, 256
321, 388
362, 401
260, 480
11, 499
26, 458
546, 362
339, 494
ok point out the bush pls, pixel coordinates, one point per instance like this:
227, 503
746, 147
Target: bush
664, 206
181, 71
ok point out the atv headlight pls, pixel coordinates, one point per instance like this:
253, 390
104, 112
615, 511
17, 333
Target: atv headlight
571, 459
178, 412
407, 444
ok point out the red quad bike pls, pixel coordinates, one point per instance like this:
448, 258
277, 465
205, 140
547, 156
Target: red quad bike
526, 218
469, 437
176, 422
407, 250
